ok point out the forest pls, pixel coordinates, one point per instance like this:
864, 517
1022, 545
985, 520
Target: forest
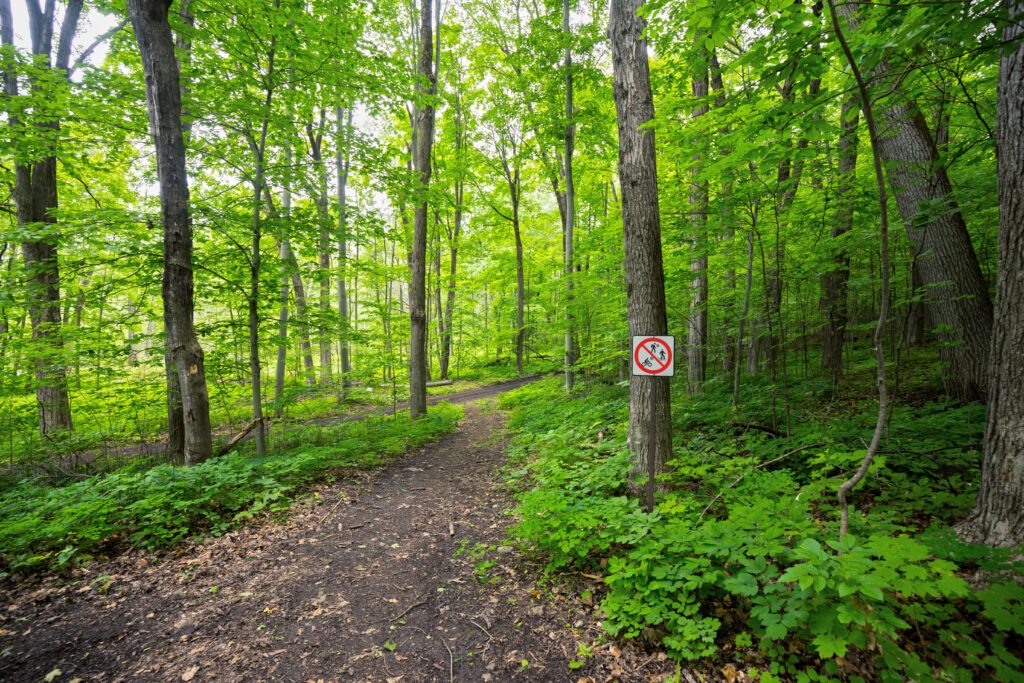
369, 277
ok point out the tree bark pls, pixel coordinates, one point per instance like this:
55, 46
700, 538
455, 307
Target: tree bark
697, 329
324, 245
424, 129
998, 516
645, 284
570, 206
835, 282
163, 96
343, 133
956, 290
35, 198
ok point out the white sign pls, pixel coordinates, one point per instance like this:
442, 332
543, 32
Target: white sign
654, 356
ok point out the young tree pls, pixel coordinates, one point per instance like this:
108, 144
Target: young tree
163, 98
645, 283
998, 515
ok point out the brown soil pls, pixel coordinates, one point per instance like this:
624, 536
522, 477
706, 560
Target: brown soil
364, 581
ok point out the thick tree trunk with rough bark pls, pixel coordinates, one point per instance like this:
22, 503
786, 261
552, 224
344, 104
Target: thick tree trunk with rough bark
956, 290
35, 198
163, 97
998, 516
645, 284
835, 282
697, 329
424, 130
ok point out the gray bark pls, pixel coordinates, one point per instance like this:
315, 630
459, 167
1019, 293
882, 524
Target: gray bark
35, 198
570, 206
163, 97
343, 133
645, 284
835, 282
998, 516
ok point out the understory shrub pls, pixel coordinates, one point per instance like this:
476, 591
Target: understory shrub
157, 507
743, 554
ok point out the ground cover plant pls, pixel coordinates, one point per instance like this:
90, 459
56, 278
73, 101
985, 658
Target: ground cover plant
156, 507
742, 562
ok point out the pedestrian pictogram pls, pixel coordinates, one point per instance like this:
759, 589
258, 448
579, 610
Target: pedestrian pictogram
653, 356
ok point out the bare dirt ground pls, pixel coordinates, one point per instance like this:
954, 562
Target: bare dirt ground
396, 576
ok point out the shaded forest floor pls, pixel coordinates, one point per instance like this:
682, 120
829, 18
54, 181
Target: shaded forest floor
398, 575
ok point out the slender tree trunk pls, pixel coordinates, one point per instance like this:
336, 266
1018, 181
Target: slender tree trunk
697, 332
520, 280
835, 282
163, 96
425, 88
645, 284
284, 250
570, 206
737, 367
453, 243
324, 246
343, 133
998, 516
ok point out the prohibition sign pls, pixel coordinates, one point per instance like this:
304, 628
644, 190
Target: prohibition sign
653, 356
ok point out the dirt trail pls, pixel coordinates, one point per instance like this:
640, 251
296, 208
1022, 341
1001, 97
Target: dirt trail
368, 585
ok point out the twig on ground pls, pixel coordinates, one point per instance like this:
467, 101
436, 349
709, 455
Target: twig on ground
408, 609
486, 633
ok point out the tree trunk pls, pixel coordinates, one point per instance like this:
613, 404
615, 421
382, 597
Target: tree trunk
697, 329
645, 285
570, 206
424, 129
835, 282
998, 516
453, 244
956, 290
284, 250
324, 246
520, 281
343, 133
35, 198
163, 96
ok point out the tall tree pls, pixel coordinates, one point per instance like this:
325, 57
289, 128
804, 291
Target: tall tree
570, 205
835, 282
163, 98
424, 130
35, 199
342, 162
998, 515
645, 281
697, 334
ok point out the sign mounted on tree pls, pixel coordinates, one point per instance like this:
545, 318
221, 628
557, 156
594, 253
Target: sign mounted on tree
654, 356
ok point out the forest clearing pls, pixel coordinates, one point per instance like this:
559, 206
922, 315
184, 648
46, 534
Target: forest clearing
546, 340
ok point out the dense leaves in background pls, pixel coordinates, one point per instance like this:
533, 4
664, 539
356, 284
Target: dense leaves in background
381, 195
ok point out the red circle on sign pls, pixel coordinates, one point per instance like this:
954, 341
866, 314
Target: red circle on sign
663, 366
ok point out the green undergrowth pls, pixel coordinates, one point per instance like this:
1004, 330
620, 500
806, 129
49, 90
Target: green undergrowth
43, 526
742, 561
